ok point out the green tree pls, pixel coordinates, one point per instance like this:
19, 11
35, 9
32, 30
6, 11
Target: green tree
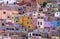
44, 4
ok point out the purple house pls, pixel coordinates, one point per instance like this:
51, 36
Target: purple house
46, 19
17, 25
10, 23
48, 24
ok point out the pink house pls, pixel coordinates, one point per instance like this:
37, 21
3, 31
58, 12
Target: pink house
34, 21
6, 12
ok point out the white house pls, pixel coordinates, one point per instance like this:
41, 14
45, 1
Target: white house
40, 20
49, 5
8, 1
57, 14
1, 1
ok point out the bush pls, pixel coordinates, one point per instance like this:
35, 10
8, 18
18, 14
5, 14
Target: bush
44, 4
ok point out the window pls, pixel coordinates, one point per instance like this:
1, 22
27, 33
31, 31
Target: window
30, 35
50, 5
39, 35
38, 17
38, 26
9, 34
8, 17
57, 22
14, 3
57, 18
34, 15
57, 13
27, 22
28, 26
36, 34
20, 13
16, 20
3, 29
3, 24
17, 29
31, 17
38, 14
28, 17
23, 12
40, 23
48, 13
41, 17
19, 8
33, 34
5, 34
25, 29
24, 7
12, 28
7, 2
7, 28
4, 12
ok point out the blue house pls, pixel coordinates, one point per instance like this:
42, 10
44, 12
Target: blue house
56, 23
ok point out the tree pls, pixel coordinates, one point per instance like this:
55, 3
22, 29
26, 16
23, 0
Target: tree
44, 4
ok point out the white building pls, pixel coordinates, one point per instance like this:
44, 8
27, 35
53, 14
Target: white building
57, 14
8, 1
1, 1
40, 20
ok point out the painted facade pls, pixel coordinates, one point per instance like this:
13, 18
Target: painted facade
41, 1
34, 21
40, 20
48, 24
57, 14
25, 21
56, 23
8, 1
6, 12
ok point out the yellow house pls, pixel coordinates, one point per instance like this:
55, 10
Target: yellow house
25, 21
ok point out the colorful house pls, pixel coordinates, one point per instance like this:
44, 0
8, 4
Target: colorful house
41, 1
34, 22
48, 24
57, 14
25, 21
56, 23
49, 5
2, 30
6, 12
8, 1
45, 18
40, 20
